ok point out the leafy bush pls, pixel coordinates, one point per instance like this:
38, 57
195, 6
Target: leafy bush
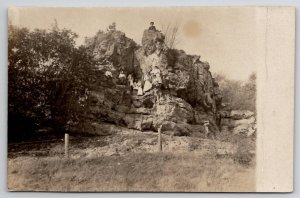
243, 156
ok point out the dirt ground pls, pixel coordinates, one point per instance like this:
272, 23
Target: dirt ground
130, 161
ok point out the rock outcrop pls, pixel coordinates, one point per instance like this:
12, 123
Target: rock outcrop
240, 122
159, 86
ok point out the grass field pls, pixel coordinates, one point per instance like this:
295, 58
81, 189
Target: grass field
186, 164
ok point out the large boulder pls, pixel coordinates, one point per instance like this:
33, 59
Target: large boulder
241, 114
175, 129
248, 121
113, 50
240, 122
149, 40
245, 129
176, 109
182, 129
185, 75
138, 121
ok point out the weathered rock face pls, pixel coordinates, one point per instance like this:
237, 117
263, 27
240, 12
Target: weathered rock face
184, 75
240, 122
150, 86
113, 50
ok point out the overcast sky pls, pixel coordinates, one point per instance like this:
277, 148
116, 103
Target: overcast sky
223, 36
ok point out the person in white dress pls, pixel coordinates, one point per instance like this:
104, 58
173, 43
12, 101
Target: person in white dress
156, 76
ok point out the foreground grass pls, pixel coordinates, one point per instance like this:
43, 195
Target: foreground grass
132, 172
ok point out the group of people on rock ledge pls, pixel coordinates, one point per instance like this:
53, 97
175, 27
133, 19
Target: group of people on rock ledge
154, 77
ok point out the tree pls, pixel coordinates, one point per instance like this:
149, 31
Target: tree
47, 75
240, 96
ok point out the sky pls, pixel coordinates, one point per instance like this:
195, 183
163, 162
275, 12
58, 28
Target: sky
223, 36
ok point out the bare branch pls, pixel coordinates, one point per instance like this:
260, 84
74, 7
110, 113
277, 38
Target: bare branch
171, 34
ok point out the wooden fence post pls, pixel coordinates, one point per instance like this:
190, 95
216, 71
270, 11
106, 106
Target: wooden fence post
206, 123
66, 145
159, 139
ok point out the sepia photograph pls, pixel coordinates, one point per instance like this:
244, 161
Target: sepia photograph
135, 99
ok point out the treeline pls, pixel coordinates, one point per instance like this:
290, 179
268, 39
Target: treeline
237, 94
47, 79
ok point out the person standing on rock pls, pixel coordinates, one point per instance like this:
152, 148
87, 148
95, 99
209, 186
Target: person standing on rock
130, 81
147, 84
156, 82
156, 77
139, 88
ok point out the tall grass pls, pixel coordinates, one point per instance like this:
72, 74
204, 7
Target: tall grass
132, 172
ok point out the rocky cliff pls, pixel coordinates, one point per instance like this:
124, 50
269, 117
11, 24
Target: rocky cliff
149, 86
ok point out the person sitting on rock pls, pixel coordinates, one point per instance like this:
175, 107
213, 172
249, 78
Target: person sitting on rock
152, 27
108, 77
122, 78
108, 74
